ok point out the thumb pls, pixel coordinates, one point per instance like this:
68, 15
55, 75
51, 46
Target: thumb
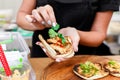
60, 59
75, 46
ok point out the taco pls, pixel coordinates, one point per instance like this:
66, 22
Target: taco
90, 71
113, 67
56, 48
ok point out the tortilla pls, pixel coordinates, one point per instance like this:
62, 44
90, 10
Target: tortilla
52, 53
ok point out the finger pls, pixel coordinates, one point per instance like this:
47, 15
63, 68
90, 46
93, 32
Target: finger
43, 48
30, 18
35, 23
51, 14
34, 20
60, 59
37, 26
75, 46
43, 12
37, 16
40, 44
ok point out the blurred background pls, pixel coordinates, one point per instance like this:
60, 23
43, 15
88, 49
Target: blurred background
8, 12
9, 8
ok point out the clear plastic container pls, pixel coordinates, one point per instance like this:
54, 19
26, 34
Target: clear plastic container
16, 46
22, 73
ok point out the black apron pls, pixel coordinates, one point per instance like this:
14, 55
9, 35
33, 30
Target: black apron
74, 13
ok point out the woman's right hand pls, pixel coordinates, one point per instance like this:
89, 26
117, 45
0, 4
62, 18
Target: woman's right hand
42, 17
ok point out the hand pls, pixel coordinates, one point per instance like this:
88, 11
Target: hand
56, 57
34, 23
43, 15
73, 34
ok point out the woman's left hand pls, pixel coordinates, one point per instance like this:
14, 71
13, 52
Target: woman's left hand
73, 34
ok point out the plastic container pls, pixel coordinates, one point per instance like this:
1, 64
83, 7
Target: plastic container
17, 44
15, 48
22, 73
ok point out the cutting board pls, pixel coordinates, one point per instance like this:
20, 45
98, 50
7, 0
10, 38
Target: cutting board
64, 70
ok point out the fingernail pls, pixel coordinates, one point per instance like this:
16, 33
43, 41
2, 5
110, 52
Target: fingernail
37, 43
58, 60
27, 17
43, 22
34, 20
44, 50
49, 22
76, 49
34, 12
53, 24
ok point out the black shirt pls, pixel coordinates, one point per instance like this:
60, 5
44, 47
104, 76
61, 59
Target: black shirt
75, 13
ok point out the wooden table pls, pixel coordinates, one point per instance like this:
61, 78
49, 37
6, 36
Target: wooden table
39, 64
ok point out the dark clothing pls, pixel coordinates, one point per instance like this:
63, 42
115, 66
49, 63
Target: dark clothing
79, 14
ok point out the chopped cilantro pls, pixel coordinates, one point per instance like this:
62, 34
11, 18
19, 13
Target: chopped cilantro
62, 37
56, 27
52, 33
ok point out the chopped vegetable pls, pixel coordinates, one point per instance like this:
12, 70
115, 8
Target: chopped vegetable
56, 27
87, 67
52, 33
20, 65
112, 62
62, 37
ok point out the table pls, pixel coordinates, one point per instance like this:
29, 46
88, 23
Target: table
38, 64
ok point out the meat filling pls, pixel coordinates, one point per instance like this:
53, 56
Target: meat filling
56, 44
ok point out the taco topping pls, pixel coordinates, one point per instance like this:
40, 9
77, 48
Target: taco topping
89, 69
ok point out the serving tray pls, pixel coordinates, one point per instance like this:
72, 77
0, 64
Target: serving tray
64, 70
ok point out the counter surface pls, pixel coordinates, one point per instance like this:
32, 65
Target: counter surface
39, 64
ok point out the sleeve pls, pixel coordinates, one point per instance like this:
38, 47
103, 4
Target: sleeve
105, 5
